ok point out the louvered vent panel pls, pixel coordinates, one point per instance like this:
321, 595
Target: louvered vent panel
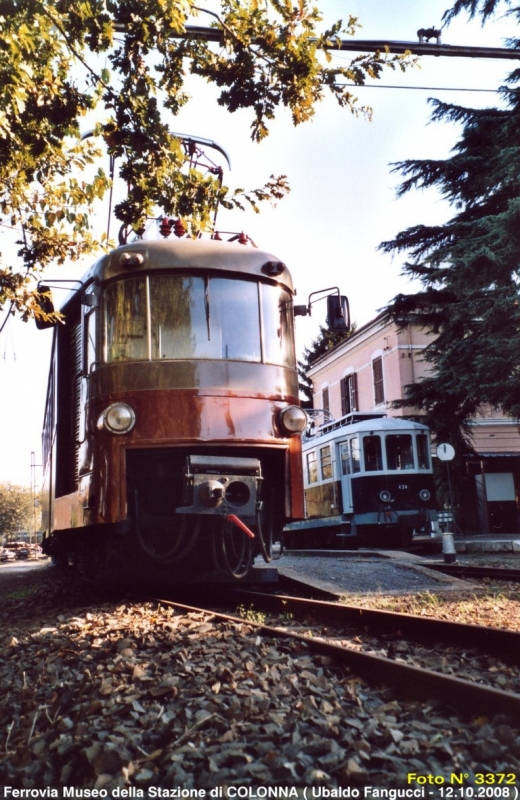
75, 363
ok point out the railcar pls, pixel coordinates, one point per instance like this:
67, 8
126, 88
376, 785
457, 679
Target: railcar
171, 441
368, 481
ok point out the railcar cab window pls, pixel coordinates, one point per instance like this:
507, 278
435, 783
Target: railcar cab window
126, 321
399, 451
312, 467
354, 455
326, 463
344, 458
372, 453
423, 451
194, 317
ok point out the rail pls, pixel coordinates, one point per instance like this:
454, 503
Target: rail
410, 681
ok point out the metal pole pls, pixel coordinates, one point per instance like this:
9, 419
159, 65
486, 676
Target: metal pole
34, 501
450, 490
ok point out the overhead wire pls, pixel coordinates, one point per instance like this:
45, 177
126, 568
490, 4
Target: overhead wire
421, 88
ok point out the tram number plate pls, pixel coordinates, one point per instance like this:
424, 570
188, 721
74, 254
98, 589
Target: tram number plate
403, 486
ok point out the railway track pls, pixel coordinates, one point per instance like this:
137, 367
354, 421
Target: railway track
408, 680
498, 642
103, 683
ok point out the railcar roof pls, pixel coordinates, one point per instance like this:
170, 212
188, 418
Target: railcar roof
185, 253
384, 424
388, 424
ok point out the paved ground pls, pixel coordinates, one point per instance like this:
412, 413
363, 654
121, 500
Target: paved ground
387, 572
367, 572
384, 572
19, 574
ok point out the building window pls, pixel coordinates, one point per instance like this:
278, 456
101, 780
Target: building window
325, 398
379, 388
349, 394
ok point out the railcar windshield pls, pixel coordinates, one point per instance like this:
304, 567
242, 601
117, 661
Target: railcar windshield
156, 317
396, 451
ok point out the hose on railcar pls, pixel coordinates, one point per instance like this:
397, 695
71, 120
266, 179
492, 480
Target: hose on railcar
265, 549
184, 540
232, 550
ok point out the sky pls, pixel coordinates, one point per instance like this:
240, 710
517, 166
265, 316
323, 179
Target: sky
342, 203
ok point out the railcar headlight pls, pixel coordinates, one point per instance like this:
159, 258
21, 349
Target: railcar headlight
425, 495
385, 496
293, 419
117, 418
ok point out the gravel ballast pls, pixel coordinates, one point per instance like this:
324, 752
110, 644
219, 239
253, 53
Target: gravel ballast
110, 694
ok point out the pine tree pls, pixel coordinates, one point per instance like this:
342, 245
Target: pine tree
469, 267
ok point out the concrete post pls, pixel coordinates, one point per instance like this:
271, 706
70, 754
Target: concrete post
448, 548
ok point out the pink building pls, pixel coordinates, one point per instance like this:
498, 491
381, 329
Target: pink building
370, 370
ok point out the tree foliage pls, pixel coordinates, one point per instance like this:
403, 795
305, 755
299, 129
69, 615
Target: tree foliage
125, 63
470, 266
16, 509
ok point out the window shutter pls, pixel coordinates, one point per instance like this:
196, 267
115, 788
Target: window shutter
344, 397
349, 394
379, 389
353, 392
325, 401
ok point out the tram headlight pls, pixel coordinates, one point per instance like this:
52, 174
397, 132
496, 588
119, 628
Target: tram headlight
425, 495
293, 419
117, 418
385, 496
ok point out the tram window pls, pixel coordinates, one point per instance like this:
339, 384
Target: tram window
312, 468
125, 321
354, 455
326, 463
372, 453
399, 451
423, 451
344, 458
277, 319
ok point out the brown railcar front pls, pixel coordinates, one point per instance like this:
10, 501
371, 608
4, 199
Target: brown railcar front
173, 412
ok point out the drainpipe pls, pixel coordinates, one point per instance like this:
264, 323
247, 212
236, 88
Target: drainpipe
410, 349
484, 495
